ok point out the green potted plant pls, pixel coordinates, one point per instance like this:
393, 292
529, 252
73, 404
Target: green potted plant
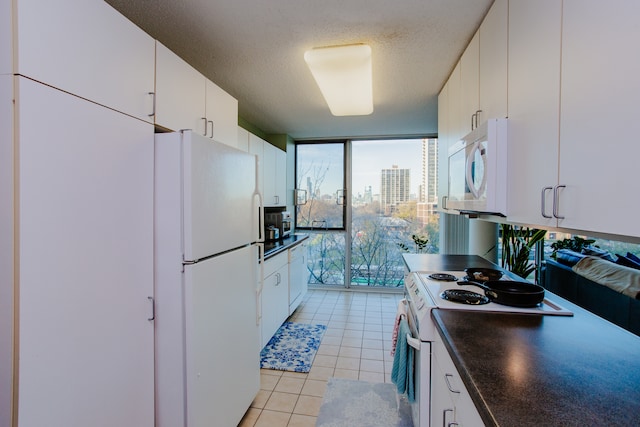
576, 244
517, 243
419, 241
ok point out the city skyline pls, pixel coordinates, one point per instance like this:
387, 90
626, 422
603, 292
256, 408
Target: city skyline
369, 159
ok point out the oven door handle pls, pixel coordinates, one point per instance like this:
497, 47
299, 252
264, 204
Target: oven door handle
413, 342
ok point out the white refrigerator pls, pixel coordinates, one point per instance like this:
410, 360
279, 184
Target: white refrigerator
206, 258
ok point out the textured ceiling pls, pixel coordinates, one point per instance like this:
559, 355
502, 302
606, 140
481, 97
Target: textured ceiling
254, 50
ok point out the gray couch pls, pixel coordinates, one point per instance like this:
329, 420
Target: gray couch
601, 300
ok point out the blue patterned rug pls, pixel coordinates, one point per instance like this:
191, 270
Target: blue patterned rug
349, 403
292, 348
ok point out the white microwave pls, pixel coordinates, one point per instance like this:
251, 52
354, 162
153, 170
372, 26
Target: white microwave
478, 170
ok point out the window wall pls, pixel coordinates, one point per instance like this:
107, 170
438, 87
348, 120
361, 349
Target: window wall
365, 203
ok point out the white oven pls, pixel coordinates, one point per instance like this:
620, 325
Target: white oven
424, 292
478, 170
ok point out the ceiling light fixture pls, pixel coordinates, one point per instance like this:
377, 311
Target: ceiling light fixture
343, 74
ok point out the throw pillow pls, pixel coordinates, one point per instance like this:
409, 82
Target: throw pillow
623, 260
600, 253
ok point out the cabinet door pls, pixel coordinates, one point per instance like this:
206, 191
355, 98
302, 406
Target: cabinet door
256, 147
275, 302
89, 49
534, 107
493, 62
6, 38
443, 144
269, 175
298, 275
470, 85
598, 119
7, 249
280, 176
243, 139
222, 115
457, 126
274, 174
451, 400
180, 93
85, 262
442, 404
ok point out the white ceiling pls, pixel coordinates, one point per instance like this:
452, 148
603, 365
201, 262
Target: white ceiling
254, 50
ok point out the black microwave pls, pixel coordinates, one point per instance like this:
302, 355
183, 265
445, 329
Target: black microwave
280, 220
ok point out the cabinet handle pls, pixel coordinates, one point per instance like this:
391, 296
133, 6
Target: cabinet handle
153, 310
211, 136
477, 115
205, 126
452, 423
543, 202
153, 111
277, 279
297, 197
472, 117
444, 202
446, 378
556, 203
277, 199
444, 417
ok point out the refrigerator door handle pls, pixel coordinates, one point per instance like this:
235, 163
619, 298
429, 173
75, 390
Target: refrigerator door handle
260, 284
257, 194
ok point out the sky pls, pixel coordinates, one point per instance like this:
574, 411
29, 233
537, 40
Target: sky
369, 158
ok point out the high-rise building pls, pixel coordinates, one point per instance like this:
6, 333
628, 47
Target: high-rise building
429, 171
395, 186
429, 188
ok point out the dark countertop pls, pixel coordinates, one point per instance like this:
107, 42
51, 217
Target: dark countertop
436, 263
275, 247
533, 370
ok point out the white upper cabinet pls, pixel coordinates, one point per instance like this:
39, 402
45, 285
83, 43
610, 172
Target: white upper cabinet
457, 126
599, 124
272, 174
493, 62
86, 48
443, 144
185, 99
256, 147
478, 84
222, 115
275, 176
180, 93
6, 37
469, 87
534, 105
243, 139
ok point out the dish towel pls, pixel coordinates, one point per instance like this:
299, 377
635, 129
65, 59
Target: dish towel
402, 371
400, 313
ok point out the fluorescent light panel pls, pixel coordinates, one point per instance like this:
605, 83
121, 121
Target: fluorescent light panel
343, 74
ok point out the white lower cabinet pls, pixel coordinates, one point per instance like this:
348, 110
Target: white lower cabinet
451, 404
275, 295
298, 276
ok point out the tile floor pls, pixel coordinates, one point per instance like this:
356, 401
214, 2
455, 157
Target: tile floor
356, 345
